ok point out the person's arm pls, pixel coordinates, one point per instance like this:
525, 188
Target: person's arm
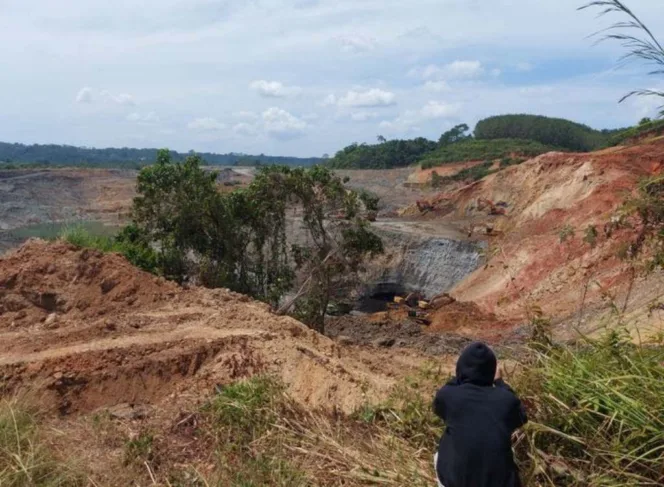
439, 401
517, 416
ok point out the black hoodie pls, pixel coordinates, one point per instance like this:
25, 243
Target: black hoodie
480, 416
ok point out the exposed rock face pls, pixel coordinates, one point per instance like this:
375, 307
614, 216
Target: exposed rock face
428, 264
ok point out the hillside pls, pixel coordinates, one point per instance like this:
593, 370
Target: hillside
555, 132
540, 252
483, 150
66, 155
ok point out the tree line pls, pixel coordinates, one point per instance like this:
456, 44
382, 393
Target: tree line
493, 138
556, 132
384, 155
66, 155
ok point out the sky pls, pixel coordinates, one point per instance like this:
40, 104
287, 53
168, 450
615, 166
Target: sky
303, 77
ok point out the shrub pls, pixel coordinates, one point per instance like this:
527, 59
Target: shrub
128, 242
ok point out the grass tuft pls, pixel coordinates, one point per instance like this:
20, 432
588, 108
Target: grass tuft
25, 459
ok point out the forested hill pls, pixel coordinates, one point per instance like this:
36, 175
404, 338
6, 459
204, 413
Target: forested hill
65, 155
556, 132
494, 138
388, 154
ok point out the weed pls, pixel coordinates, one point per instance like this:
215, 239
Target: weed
566, 232
590, 236
25, 459
128, 242
139, 450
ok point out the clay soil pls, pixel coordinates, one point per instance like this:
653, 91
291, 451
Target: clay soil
531, 269
87, 331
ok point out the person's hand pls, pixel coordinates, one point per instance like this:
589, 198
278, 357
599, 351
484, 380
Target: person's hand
499, 373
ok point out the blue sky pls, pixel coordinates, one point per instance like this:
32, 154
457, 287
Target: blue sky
302, 77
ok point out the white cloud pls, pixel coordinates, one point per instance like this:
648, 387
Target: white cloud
647, 106
464, 69
536, 90
206, 124
170, 63
524, 67
496, 72
144, 118
437, 86
454, 70
329, 100
281, 124
85, 95
411, 121
368, 98
245, 115
363, 116
121, 99
244, 129
436, 109
357, 43
310, 116
403, 124
274, 89
88, 95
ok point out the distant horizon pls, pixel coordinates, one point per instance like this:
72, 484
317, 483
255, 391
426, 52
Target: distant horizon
298, 77
235, 153
181, 152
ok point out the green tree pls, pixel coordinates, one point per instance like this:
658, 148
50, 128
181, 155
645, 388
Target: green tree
455, 134
240, 239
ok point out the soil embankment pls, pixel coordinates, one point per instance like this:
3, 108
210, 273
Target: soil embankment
540, 255
90, 331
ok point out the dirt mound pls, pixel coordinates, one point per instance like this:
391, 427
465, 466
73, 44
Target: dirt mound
388, 330
88, 331
468, 319
44, 283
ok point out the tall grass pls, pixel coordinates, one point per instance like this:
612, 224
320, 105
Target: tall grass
262, 437
82, 237
127, 242
25, 460
598, 414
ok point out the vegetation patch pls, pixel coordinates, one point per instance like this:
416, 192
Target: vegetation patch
484, 150
596, 414
128, 242
384, 155
647, 128
25, 458
554, 132
261, 437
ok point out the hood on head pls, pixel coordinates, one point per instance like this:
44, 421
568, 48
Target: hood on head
476, 365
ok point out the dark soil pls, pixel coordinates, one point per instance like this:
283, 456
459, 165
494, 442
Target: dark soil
362, 330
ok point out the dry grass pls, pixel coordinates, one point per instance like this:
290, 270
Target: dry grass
262, 437
595, 409
25, 458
